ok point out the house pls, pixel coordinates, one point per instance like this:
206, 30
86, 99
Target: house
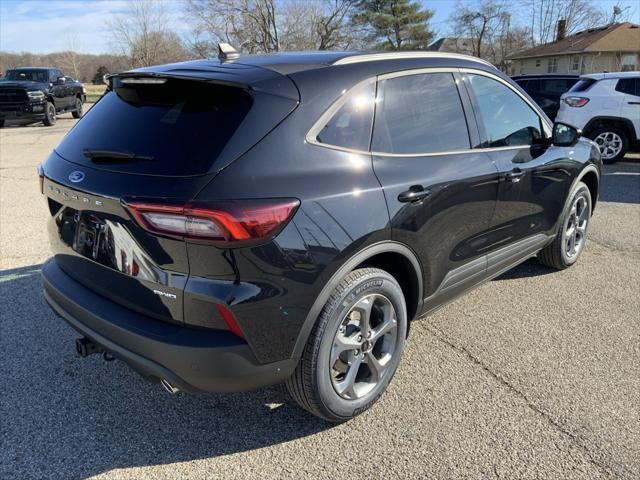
452, 45
613, 48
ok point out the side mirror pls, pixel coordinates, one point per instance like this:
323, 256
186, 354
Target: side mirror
61, 81
565, 135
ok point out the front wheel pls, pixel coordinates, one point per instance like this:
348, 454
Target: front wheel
77, 112
354, 348
49, 114
570, 240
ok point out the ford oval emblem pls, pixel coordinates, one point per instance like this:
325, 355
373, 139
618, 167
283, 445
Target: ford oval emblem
76, 176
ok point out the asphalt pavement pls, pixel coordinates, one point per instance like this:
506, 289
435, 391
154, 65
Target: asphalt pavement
534, 375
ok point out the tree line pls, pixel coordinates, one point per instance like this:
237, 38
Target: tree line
490, 29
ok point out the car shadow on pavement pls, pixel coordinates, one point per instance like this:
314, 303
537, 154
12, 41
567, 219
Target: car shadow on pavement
621, 183
66, 417
529, 268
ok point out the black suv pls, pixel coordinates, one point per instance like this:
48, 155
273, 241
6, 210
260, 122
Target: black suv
39, 94
221, 226
546, 90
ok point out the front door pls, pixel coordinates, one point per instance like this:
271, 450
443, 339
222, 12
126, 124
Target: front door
58, 90
440, 193
535, 176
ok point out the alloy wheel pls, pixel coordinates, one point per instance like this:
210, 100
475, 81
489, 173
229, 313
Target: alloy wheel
363, 347
610, 144
576, 228
52, 113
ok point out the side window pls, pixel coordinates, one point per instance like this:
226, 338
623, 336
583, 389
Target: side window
629, 85
555, 86
350, 126
507, 118
419, 114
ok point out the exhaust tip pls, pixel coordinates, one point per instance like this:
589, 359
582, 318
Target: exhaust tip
168, 387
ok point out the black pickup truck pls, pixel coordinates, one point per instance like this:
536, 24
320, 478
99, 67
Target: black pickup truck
39, 94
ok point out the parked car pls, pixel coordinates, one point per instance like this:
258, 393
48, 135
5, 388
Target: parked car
39, 94
221, 226
546, 89
606, 106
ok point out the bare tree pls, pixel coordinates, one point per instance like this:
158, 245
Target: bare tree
263, 26
250, 25
545, 14
331, 25
489, 27
142, 33
70, 61
481, 23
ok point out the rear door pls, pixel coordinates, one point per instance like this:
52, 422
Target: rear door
440, 193
631, 102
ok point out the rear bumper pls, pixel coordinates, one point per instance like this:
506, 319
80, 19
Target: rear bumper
190, 359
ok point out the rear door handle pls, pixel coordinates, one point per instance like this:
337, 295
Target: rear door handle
416, 193
515, 175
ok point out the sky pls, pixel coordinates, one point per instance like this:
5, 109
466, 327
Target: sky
39, 26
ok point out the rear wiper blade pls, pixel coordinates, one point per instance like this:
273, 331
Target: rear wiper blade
112, 155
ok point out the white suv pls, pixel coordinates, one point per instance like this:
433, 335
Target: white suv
606, 106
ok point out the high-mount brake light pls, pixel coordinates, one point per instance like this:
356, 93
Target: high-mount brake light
143, 80
229, 222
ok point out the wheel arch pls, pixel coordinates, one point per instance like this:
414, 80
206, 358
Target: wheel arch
388, 255
591, 178
602, 121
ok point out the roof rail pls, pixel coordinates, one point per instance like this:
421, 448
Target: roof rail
372, 57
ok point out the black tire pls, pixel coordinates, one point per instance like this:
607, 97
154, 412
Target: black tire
555, 255
49, 114
77, 112
312, 384
613, 131
1, 123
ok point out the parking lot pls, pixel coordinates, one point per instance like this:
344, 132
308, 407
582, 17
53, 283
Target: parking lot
534, 375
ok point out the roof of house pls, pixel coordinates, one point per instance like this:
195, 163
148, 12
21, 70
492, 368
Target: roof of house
617, 37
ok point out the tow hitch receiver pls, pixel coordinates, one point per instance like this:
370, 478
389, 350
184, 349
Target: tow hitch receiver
86, 347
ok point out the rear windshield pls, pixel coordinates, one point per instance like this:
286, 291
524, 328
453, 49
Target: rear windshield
178, 127
582, 85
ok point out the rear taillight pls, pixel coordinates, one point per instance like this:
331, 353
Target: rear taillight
240, 222
576, 101
41, 178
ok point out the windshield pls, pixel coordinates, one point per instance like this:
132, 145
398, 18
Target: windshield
41, 76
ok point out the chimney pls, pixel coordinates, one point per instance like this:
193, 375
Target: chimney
561, 31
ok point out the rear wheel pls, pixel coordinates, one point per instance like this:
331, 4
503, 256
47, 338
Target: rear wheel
77, 112
49, 114
612, 142
566, 248
354, 348
1, 123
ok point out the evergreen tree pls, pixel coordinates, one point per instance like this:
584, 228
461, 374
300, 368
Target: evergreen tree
101, 72
394, 24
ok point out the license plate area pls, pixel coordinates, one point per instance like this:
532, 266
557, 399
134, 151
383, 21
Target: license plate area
89, 240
